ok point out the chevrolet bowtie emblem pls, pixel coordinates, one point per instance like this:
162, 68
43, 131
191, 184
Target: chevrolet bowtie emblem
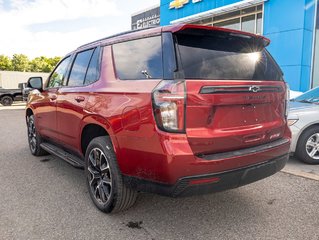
178, 3
254, 89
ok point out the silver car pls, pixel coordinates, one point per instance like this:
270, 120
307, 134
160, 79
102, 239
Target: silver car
303, 120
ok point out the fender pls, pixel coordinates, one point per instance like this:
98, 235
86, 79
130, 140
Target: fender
102, 122
295, 143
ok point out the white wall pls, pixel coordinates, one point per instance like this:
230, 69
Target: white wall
10, 79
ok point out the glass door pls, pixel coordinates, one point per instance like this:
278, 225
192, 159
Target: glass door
315, 74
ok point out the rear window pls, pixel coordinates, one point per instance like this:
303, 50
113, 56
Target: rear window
223, 56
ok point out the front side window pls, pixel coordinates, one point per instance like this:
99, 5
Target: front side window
139, 59
59, 73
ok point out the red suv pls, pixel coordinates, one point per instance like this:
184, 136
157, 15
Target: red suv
174, 110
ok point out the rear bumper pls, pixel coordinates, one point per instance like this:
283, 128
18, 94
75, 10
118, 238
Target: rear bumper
167, 158
226, 180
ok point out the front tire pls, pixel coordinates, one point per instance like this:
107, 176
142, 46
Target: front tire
308, 146
6, 101
34, 138
104, 179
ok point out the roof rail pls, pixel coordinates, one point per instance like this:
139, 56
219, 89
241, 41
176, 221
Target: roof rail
115, 35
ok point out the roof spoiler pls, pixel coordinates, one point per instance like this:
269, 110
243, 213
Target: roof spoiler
181, 27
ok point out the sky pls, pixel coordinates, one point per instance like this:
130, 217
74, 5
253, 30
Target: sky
55, 27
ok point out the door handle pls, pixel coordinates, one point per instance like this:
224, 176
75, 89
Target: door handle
79, 99
53, 97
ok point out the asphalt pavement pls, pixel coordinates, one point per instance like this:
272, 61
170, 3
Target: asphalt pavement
46, 198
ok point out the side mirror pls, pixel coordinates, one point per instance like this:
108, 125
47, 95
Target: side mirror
35, 83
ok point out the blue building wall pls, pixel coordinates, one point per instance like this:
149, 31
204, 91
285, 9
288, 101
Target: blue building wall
287, 23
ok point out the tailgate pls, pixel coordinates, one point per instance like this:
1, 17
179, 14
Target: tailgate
234, 115
235, 90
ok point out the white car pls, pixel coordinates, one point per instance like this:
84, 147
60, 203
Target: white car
303, 120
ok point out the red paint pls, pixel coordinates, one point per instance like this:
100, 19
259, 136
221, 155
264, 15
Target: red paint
205, 180
214, 122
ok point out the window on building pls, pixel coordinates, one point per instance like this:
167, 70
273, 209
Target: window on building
247, 19
315, 67
248, 23
232, 24
139, 59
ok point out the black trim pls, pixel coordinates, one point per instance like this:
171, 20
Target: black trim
59, 152
228, 180
239, 89
246, 151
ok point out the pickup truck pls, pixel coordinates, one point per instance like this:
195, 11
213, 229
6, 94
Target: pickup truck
7, 96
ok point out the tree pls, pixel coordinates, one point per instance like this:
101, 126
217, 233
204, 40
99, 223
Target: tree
54, 61
43, 64
20, 62
39, 64
5, 63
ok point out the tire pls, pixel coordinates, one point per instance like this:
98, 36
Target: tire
34, 139
6, 101
308, 146
104, 179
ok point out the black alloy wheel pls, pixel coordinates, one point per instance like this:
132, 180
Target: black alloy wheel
34, 138
104, 178
99, 177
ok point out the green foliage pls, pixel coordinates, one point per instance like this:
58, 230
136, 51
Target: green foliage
20, 62
5, 63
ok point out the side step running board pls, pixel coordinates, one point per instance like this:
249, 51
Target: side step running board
59, 152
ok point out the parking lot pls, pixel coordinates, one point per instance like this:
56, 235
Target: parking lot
45, 198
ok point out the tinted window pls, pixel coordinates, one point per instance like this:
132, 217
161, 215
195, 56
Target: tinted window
79, 68
225, 56
139, 59
58, 75
93, 70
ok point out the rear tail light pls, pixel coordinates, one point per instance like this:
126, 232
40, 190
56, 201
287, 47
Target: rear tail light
169, 105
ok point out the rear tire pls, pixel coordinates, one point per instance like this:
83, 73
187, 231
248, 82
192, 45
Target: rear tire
308, 146
34, 139
6, 101
104, 179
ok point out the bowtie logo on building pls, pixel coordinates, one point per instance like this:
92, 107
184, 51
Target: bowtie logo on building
180, 3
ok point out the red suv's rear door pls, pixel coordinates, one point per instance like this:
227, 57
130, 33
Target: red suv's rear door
73, 97
235, 92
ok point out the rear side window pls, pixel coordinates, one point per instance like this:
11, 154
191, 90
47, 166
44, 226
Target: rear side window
225, 57
139, 59
93, 69
85, 68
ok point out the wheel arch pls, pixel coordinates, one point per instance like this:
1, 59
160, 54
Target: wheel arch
316, 124
28, 112
92, 127
6, 95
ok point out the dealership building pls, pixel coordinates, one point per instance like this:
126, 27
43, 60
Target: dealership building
291, 25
